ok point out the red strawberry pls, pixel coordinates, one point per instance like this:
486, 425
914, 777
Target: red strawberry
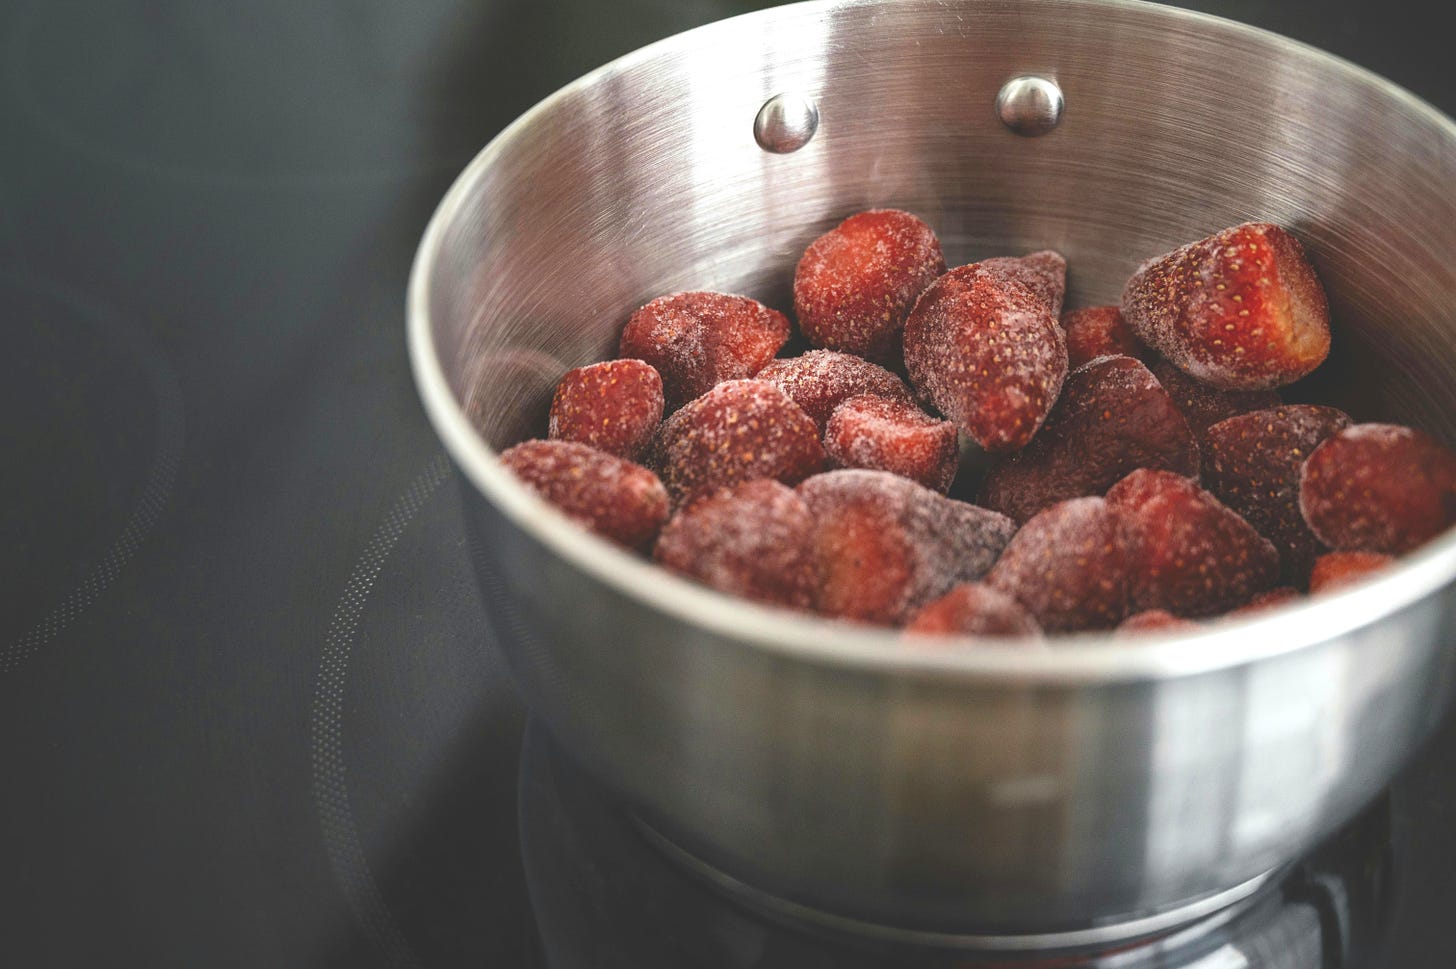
1252, 463
1100, 331
750, 540
613, 407
988, 354
1204, 406
1379, 488
856, 283
1190, 554
1156, 620
1044, 273
884, 546
821, 380
738, 431
1336, 569
1068, 566
1272, 599
698, 340
613, 497
888, 435
1240, 310
1112, 418
973, 609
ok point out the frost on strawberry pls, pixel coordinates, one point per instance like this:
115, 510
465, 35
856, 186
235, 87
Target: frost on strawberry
974, 609
1379, 488
888, 435
608, 495
613, 406
698, 340
856, 283
750, 540
1190, 554
988, 354
738, 431
1240, 310
885, 546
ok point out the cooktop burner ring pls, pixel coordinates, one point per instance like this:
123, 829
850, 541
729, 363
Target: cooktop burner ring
332, 806
168, 429
1210, 911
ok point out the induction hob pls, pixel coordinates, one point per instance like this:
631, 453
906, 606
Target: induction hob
250, 709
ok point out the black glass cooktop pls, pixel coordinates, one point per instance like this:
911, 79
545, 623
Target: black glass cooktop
250, 709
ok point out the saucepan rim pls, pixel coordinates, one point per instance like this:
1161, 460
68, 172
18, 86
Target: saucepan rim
1070, 659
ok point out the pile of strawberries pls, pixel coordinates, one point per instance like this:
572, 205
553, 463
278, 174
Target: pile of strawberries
1133, 465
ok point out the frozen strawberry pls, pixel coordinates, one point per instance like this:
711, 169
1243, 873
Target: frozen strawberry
890, 435
1068, 566
856, 283
1099, 331
884, 546
821, 380
1156, 620
1044, 273
1252, 463
611, 496
987, 354
1379, 488
699, 340
1240, 310
613, 406
973, 609
865, 563
750, 540
1112, 418
1335, 569
1278, 596
738, 431
1190, 554
1204, 406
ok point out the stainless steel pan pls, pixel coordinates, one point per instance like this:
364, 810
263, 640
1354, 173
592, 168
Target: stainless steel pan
977, 794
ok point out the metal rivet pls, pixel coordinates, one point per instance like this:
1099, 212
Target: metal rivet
785, 123
1030, 105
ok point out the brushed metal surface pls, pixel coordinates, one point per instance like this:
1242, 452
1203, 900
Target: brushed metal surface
971, 788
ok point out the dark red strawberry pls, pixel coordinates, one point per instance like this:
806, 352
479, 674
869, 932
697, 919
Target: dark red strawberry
1100, 331
1069, 566
750, 540
613, 407
611, 496
1157, 620
1112, 418
821, 380
698, 340
1203, 406
1379, 488
1336, 569
987, 354
973, 609
1252, 462
1190, 554
738, 431
889, 435
1278, 596
884, 546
